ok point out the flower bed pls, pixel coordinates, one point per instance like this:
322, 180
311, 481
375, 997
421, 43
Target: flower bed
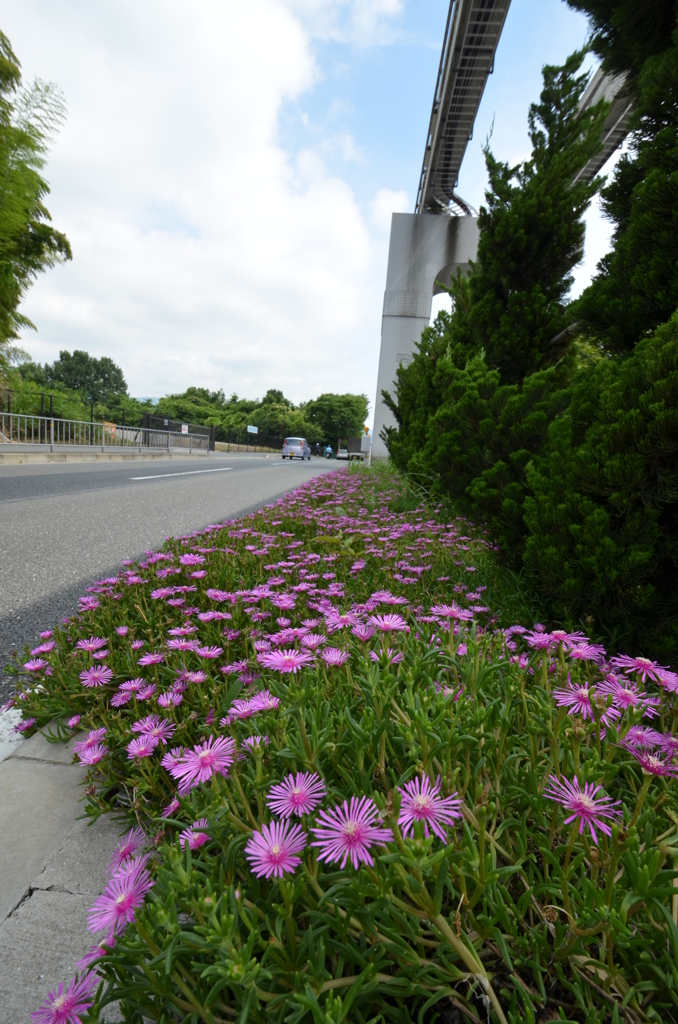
352, 795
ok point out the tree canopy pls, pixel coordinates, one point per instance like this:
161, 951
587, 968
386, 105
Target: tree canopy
97, 380
29, 118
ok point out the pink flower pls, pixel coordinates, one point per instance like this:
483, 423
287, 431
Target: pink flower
24, 726
296, 795
451, 611
146, 691
313, 641
122, 630
170, 700
274, 850
285, 660
284, 601
125, 892
255, 743
198, 765
191, 559
93, 755
651, 763
364, 633
669, 744
390, 656
180, 644
641, 666
67, 1005
209, 652
95, 643
121, 698
142, 746
44, 648
348, 831
642, 736
389, 623
586, 652
127, 847
151, 659
421, 801
172, 806
194, 836
172, 757
154, 725
627, 694
73, 722
586, 806
334, 657
335, 620
93, 737
36, 665
136, 645
97, 675
576, 698
132, 685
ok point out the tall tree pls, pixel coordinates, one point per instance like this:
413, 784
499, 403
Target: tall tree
97, 380
636, 287
29, 117
337, 416
532, 232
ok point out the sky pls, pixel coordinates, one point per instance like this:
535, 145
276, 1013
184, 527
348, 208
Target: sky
228, 169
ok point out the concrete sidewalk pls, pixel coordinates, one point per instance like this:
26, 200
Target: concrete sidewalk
51, 869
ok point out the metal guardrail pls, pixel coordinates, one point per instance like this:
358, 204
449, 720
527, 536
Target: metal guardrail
20, 429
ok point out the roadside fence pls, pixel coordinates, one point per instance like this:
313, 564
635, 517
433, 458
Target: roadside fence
23, 431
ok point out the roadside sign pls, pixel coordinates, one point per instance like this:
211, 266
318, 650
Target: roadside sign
253, 430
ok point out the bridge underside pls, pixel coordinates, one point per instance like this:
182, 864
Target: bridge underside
425, 248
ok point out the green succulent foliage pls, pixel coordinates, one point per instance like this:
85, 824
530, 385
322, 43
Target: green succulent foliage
603, 512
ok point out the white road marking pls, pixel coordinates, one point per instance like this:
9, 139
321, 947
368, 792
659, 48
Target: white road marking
187, 472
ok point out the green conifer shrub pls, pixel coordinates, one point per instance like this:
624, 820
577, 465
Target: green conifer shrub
603, 513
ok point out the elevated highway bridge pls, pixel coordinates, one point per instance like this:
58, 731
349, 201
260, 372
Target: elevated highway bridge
441, 235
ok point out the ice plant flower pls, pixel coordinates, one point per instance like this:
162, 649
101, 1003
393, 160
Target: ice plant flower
650, 762
97, 675
146, 691
172, 806
576, 698
127, 847
643, 667
313, 641
125, 892
587, 807
194, 836
209, 652
24, 726
348, 831
91, 739
151, 659
73, 722
170, 700
669, 743
255, 744
93, 755
36, 665
364, 633
287, 660
627, 694
421, 801
451, 611
198, 765
142, 746
182, 644
298, 794
153, 725
392, 623
333, 657
274, 850
67, 1005
643, 737
95, 643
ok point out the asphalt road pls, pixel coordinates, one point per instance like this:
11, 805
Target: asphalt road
65, 525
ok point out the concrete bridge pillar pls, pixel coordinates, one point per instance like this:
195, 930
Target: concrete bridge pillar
424, 248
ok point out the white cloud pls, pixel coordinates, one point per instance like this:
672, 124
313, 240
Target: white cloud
361, 22
386, 202
203, 252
